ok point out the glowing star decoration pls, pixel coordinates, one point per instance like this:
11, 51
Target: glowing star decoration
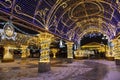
9, 32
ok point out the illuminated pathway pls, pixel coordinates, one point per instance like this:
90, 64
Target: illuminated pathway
61, 70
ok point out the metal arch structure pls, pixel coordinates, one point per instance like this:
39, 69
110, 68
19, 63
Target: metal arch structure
94, 30
67, 18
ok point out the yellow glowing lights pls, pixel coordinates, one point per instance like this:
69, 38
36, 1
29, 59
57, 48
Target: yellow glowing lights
69, 49
45, 40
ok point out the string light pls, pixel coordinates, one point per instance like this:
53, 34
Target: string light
9, 22
44, 15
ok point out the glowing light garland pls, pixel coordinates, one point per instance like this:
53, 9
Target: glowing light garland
59, 17
10, 22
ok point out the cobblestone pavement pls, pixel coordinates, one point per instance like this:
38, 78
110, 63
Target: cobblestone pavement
60, 70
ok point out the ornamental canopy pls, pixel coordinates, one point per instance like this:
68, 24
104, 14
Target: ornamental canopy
69, 19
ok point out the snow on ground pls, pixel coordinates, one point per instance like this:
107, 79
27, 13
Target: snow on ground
60, 69
29, 71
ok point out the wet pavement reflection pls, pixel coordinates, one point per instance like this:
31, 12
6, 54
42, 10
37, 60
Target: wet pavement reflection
99, 72
61, 70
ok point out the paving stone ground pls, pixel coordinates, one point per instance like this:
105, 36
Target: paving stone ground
61, 70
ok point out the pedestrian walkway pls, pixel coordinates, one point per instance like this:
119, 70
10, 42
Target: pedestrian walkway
60, 70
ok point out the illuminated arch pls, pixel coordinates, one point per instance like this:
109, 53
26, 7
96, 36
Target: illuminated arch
93, 30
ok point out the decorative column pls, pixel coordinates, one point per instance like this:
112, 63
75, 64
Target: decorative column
24, 52
44, 62
70, 52
117, 51
7, 57
109, 55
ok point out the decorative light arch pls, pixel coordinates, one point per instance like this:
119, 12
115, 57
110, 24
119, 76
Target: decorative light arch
92, 30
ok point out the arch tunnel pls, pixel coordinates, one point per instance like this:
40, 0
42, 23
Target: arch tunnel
44, 23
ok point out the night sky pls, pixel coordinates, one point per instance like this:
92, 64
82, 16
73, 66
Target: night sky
94, 37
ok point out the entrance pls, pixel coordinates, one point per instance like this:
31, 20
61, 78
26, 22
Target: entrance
95, 45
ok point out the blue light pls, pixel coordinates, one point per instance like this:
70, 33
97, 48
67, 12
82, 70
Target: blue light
61, 44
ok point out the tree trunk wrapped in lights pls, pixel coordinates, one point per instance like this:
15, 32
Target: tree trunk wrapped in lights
44, 62
69, 51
